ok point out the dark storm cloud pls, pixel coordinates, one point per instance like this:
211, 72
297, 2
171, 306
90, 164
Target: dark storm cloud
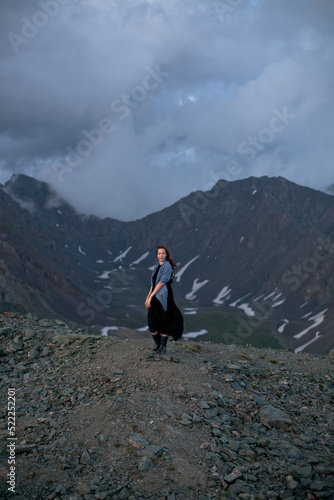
125, 106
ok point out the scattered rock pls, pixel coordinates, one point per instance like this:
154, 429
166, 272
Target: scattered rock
6, 330
100, 418
138, 441
273, 417
145, 463
85, 458
235, 474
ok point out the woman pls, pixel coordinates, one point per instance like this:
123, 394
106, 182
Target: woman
163, 317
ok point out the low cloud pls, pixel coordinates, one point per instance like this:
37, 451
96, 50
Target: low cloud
126, 106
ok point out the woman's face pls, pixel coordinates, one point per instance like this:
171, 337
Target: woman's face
161, 255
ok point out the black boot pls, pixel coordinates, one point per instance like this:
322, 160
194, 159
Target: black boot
162, 349
157, 341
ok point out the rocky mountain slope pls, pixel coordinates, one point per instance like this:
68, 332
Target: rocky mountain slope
259, 249
102, 418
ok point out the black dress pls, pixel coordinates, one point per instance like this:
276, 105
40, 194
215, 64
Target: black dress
168, 322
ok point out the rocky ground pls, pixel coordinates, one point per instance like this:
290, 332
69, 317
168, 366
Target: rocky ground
100, 418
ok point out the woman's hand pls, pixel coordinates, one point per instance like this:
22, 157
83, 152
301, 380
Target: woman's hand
148, 302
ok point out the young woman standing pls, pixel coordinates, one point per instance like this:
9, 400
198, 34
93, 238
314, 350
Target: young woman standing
163, 317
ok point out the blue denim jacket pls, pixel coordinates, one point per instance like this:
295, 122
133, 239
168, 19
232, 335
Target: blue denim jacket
164, 275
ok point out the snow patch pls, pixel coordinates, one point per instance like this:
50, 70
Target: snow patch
225, 292
317, 320
280, 329
247, 309
105, 330
181, 271
190, 310
193, 335
234, 304
122, 255
274, 298
302, 347
276, 302
140, 258
196, 286
104, 275
303, 305
306, 315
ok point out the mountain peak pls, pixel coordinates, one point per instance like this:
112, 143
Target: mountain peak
31, 194
259, 250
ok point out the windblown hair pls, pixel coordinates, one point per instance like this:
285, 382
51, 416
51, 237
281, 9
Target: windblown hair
168, 257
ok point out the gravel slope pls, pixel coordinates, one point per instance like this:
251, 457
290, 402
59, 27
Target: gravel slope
100, 418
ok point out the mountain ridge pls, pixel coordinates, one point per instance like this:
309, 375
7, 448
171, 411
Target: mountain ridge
260, 245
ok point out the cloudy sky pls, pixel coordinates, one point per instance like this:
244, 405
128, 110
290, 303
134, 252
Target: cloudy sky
125, 106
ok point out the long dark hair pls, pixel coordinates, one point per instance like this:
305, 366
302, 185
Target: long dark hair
168, 257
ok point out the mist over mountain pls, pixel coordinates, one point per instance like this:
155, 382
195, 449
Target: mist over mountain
255, 262
105, 99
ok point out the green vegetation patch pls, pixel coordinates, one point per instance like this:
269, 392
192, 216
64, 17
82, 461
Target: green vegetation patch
227, 325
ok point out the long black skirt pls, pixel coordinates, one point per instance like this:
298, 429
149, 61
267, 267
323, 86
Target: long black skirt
168, 322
